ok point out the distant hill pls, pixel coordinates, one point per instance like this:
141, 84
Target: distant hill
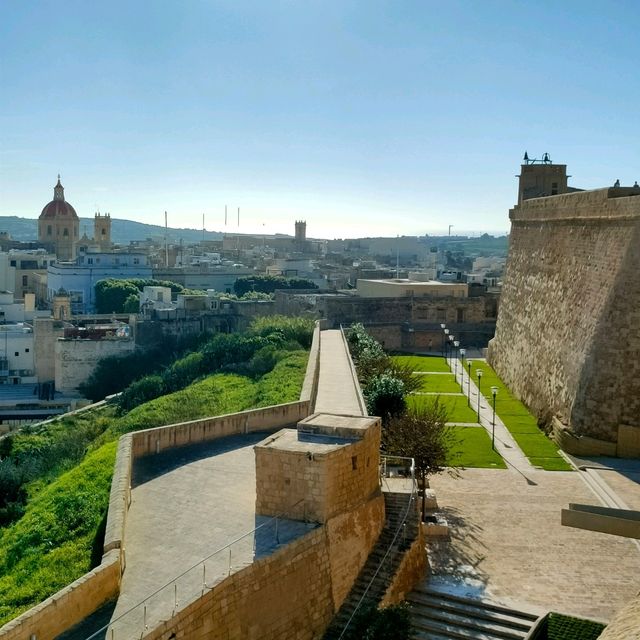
122, 231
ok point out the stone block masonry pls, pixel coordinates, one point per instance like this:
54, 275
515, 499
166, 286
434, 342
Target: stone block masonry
567, 338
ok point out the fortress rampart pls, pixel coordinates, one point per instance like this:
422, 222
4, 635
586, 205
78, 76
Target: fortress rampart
568, 332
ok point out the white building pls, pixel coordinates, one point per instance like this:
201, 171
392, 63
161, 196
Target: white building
79, 277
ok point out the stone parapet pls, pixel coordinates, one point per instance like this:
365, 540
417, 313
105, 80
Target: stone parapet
68, 606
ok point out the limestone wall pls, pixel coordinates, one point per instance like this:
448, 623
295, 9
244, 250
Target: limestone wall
284, 596
155, 440
310, 384
567, 340
625, 624
75, 360
69, 605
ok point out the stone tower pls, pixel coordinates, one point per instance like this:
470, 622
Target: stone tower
301, 232
539, 178
58, 225
102, 231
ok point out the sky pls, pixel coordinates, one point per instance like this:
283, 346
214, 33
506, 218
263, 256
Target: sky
368, 117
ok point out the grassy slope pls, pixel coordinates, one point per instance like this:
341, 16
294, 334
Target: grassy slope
456, 406
523, 426
51, 545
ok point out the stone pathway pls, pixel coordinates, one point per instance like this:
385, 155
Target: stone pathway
186, 504
337, 392
507, 543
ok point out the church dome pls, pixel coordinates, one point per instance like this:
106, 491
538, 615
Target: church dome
58, 208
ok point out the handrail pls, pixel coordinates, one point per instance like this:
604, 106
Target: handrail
197, 564
354, 374
393, 541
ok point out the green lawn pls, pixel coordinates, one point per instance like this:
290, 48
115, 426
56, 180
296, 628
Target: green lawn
522, 425
474, 449
439, 382
423, 363
456, 406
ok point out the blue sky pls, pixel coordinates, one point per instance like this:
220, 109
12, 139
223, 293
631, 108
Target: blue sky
364, 118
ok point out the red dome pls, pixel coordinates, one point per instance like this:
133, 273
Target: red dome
59, 209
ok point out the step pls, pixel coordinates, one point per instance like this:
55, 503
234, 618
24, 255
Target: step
484, 604
451, 632
511, 619
462, 621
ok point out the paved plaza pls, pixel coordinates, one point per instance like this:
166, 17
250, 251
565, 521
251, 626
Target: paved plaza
507, 543
186, 504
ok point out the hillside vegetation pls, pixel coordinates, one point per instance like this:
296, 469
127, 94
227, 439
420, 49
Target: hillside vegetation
54, 533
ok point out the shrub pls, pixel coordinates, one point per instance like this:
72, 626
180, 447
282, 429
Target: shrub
385, 396
299, 330
139, 392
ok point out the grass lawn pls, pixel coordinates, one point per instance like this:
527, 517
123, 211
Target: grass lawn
474, 449
439, 382
456, 406
423, 363
541, 451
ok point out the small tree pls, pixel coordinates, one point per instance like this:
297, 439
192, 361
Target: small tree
421, 434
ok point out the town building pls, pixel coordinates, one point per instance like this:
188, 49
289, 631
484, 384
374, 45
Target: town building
59, 225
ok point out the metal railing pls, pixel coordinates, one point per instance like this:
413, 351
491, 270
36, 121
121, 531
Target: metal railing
389, 464
166, 601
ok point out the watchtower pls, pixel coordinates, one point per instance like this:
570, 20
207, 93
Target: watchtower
540, 178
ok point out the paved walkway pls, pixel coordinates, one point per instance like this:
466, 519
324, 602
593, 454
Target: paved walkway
337, 391
186, 504
507, 543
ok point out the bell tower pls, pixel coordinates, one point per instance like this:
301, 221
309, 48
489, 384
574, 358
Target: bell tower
102, 231
539, 178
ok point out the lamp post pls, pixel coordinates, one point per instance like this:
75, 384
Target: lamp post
456, 344
494, 393
479, 374
451, 341
462, 354
446, 338
469, 384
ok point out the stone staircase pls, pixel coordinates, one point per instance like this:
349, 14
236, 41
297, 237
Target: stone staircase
437, 615
395, 505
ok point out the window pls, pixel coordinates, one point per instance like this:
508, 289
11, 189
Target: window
354, 463
48, 229
103, 232
17, 353
460, 315
89, 260
554, 188
65, 232
136, 261
13, 263
25, 281
26, 350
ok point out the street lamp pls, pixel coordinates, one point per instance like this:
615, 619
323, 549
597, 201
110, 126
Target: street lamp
469, 384
451, 340
456, 344
444, 346
463, 351
494, 393
479, 374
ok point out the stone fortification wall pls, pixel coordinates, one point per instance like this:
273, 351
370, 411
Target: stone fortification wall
310, 385
567, 340
75, 360
290, 595
625, 624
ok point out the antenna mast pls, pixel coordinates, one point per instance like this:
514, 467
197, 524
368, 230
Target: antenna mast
166, 241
